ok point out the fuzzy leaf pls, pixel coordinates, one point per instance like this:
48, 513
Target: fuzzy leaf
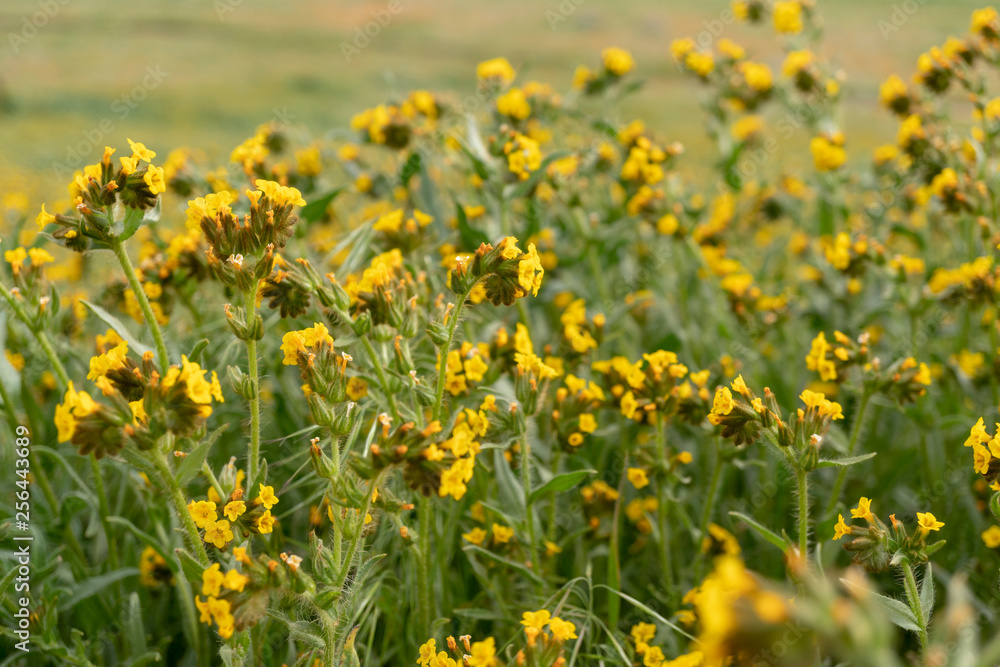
764, 532
843, 463
133, 343
895, 610
559, 483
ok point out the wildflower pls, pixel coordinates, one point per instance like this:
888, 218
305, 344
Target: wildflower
497, 70
235, 581
218, 533
638, 477
536, 619
202, 512
44, 218
617, 61
562, 630
266, 497
927, 522
427, 652
211, 581
265, 523
828, 155
841, 528
234, 509
788, 16
502, 534
483, 653
475, 536
991, 537
863, 510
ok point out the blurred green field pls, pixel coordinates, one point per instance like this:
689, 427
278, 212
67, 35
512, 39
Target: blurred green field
229, 64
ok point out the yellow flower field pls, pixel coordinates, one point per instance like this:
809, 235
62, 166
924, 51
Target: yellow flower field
499, 379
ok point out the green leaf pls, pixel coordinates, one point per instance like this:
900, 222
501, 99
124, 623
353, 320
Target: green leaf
559, 483
520, 567
472, 238
135, 633
113, 322
192, 462
136, 218
895, 610
316, 209
94, 585
195, 354
764, 532
927, 592
410, 168
510, 490
191, 567
843, 463
644, 609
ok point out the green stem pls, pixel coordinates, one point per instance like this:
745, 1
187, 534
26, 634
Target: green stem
713, 487
383, 382
913, 596
250, 309
358, 532
851, 447
177, 498
443, 356
802, 477
536, 563
424, 583
140, 295
212, 479
663, 525
39, 335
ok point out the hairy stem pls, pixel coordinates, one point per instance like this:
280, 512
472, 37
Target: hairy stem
177, 498
536, 563
253, 456
802, 477
663, 526
424, 584
140, 295
913, 597
443, 356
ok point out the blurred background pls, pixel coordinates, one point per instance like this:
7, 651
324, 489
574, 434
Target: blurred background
76, 75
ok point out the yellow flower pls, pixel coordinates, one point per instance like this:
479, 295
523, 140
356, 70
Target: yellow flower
218, 533
427, 652
991, 537
265, 523
638, 477
40, 256
654, 657
587, 423
357, 388
280, 195
234, 509
562, 630
154, 179
483, 653
235, 581
44, 218
502, 534
827, 155
211, 581
497, 69
536, 619
643, 633
202, 512
788, 16
863, 510
140, 151
513, 104
617, 61
841, 528
475, 536
928, 522
530, 271
981, 459
16, 259
267, 497
723, 403
629, 405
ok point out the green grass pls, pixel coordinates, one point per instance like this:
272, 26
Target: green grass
227, 76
